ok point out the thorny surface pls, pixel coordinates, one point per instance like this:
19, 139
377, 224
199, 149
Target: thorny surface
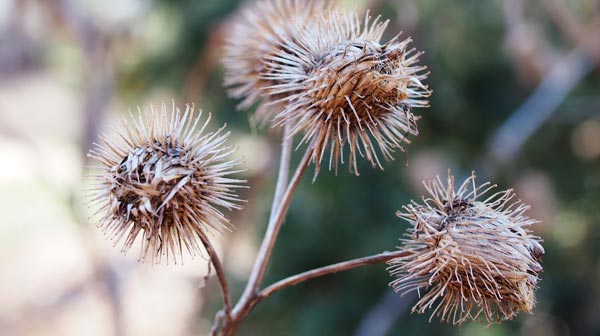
254, 41
471, 257
163, 182
340, 85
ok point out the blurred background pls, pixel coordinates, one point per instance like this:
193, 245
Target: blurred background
516, 97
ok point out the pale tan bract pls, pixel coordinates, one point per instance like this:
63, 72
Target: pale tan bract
340, 85
254, 39
471, 254
164, 179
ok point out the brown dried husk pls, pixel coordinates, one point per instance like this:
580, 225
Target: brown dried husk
254, 39
340, 85
163, 181
470, 258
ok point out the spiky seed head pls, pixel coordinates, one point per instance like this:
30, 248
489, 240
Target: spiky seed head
342, 86
163, 178
472, 254
253, 41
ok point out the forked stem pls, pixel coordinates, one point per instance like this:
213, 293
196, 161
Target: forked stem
272, 228
249, 297
230, 322
308, 275
268, 243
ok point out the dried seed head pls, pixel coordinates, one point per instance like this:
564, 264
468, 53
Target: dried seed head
257, 37
164, 180
471, 256
342, 85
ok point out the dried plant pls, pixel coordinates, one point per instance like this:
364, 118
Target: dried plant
473, 256
341, 85
325, 75
164, 181
253, 42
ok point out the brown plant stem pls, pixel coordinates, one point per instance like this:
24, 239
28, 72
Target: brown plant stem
335, 268
216, 262
249, 298
271, 233
231, 326
273, 229
284, 168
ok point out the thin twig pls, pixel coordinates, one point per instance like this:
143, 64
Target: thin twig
282, 175
268, 243
275, 224
339, 267
249, 297
284, 168
216, 262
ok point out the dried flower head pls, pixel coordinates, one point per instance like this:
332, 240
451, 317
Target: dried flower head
164, 180
342, 85
471, 256
257, 37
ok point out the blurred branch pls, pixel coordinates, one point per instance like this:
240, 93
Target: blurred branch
509, 138
98, 79
575, 31
97, 72
383, 315
535, 111
531, 54
564, 20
